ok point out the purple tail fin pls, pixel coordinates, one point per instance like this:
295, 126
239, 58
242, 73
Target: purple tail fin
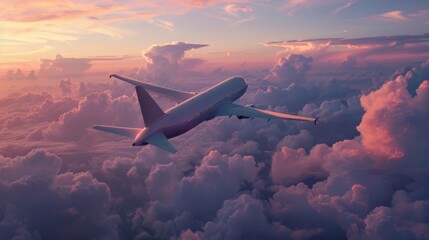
150, 110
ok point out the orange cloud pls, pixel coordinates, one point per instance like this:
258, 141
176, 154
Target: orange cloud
395, 16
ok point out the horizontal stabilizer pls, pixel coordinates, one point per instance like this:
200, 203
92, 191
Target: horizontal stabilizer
175, 95
123, 131
251, 112
159, 140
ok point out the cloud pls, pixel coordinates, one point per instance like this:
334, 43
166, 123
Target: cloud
237, 14
163, 24
29, 108
378, 126
202, 3
18, 74
290, 166
239, 218
14, 75
217, 178
67, 87
292, 6
187, 200
231, 178
290, 207
35, 163
290, 70
358, 193
399, 16
395, 16
28, 24
382, 49
342, 8
30, 183
63, 67
167, 63
421, 16
95, 108
235, 9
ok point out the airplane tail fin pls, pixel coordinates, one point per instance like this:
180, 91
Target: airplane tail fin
150, 109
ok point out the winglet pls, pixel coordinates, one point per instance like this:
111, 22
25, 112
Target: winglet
316, 120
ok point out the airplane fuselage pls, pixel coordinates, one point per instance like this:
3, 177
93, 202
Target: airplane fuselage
199, 108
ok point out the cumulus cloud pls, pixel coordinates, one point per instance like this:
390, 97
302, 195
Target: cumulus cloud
380, 130
291, 69
95, 108
231, 178
357, 209
67, 87
37, 202
15, 75
63, 67
31, 112
167, 63
239, 218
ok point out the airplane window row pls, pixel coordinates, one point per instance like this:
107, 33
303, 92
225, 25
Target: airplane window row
199, 113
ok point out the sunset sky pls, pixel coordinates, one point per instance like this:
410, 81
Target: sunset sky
361, 66
236, 31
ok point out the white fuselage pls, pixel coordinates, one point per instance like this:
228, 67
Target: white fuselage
190, 113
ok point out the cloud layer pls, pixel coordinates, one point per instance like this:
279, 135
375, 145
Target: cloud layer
360, 174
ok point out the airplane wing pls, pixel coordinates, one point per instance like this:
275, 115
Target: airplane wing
251, 112
123, 131
159, 140
175, 95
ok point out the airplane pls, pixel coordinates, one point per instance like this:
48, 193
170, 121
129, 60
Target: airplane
191, 110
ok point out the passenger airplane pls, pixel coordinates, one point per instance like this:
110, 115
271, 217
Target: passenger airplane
191, 110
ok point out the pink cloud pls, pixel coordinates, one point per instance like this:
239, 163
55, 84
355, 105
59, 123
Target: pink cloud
95, 108
389, 136
167, 63
292, 6
235, 9
47, 21
290, 70
232, 177
395, 16
63, 67
399, 16
32, 181
359, 51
